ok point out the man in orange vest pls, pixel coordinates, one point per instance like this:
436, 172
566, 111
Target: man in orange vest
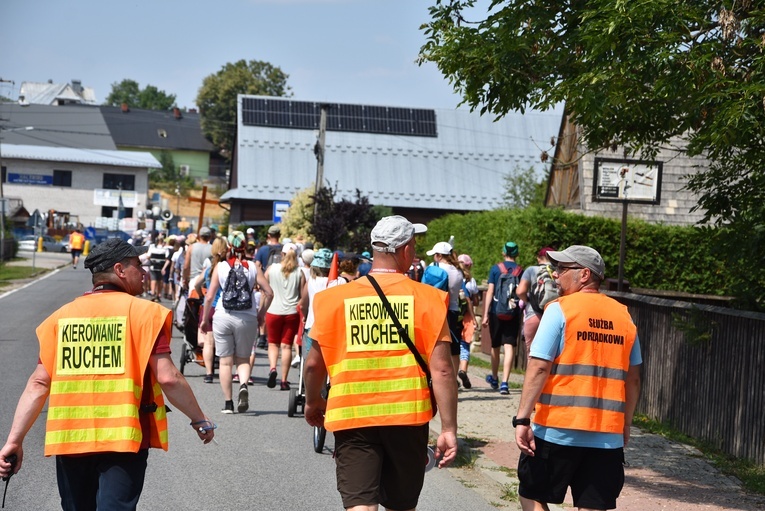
105, 363
379, 403
584, 380
76, 244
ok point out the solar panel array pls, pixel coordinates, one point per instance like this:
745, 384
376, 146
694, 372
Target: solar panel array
280, 113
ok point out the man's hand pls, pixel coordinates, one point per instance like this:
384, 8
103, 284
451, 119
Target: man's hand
314, 415
446, 449
524, 439
6, 452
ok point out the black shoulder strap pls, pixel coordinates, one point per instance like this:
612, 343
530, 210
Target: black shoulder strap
402, 332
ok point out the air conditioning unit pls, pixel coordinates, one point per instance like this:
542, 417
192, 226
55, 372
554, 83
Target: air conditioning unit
184, 170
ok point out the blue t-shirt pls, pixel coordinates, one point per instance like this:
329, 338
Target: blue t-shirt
264, 252
548, 344
494, 274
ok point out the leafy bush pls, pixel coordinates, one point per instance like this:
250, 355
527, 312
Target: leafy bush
662, 257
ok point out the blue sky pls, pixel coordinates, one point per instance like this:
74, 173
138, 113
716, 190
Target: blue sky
352, 51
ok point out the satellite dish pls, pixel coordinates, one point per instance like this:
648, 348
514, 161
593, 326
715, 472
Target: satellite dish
166, 215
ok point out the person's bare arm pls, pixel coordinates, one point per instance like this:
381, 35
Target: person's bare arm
488, 297
315, 375
187, 266
266, 294
445, 389
537, 372
632, 391
179, 393
303, 304
523, 290
28, 409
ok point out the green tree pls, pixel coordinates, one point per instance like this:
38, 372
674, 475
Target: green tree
523, 188
150, 98
298, 220
169, 178
217, 96
642, 75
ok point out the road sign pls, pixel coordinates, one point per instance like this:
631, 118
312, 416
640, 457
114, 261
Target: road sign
35, 220
280, 209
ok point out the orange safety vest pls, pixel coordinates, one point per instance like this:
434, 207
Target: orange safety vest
375, 379
96, 350
76, 241
586, 387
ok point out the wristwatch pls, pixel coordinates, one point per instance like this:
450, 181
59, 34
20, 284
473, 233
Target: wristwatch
521, 422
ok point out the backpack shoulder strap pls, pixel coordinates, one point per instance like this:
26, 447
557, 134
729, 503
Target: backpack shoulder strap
517, 270
502, 267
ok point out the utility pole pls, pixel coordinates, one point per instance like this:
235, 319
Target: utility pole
318, 150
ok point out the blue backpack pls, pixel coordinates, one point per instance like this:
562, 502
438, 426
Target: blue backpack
437, 277
505, 293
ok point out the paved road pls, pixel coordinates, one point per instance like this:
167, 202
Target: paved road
263, 459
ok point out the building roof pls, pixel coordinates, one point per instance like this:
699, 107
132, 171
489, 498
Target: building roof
155, 129
54, 126
461, 168
37, 93
90, 156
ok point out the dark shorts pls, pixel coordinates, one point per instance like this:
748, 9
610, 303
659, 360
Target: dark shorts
111, 480
596, 476
455, 329
503, 332
381, 465
76, 253
155, 274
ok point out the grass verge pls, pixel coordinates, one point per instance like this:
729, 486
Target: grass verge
9, 273
751, 475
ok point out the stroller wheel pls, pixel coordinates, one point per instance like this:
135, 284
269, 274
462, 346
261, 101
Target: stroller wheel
319, 435
292, 405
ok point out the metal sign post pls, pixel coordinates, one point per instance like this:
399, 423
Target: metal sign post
626, 181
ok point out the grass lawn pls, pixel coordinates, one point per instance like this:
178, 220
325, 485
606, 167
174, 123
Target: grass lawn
9, 273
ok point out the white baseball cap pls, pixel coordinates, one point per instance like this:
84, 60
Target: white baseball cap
393, 232
441, 247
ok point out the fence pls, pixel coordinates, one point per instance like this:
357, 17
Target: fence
703, 371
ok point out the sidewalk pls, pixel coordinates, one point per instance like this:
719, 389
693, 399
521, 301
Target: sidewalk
661, 475
44, 262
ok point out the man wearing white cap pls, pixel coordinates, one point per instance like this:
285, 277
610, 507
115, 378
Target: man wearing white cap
379, 402
584, 380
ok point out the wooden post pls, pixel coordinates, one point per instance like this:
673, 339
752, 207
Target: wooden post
202, 208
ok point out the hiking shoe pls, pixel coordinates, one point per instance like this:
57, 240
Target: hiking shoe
492, 381
504, 389
235, 378
228, 407
271, 383
208, 378
285, 385
262, 343
465, 380
244, 399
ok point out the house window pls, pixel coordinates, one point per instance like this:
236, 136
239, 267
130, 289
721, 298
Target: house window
112, 212
162, 133
62, 178
119, 181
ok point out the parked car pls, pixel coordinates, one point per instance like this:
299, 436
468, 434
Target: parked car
29, 242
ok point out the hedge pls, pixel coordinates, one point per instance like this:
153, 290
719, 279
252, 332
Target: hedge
663, 257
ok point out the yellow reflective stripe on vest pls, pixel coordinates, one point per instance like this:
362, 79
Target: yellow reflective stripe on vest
95, 387
92, 412
371, 364
94, 435
377, 387
379, 410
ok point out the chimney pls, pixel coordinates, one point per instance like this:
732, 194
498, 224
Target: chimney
125, 108
177, 113
192, 110
77, 87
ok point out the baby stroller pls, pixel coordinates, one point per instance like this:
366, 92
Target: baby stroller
188, 308
297, 401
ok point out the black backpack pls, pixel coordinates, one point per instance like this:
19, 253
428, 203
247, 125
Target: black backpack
237, 293
505, 294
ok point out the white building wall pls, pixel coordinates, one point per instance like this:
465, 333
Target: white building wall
79, 199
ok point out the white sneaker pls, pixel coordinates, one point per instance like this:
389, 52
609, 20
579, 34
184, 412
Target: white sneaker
295, 361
